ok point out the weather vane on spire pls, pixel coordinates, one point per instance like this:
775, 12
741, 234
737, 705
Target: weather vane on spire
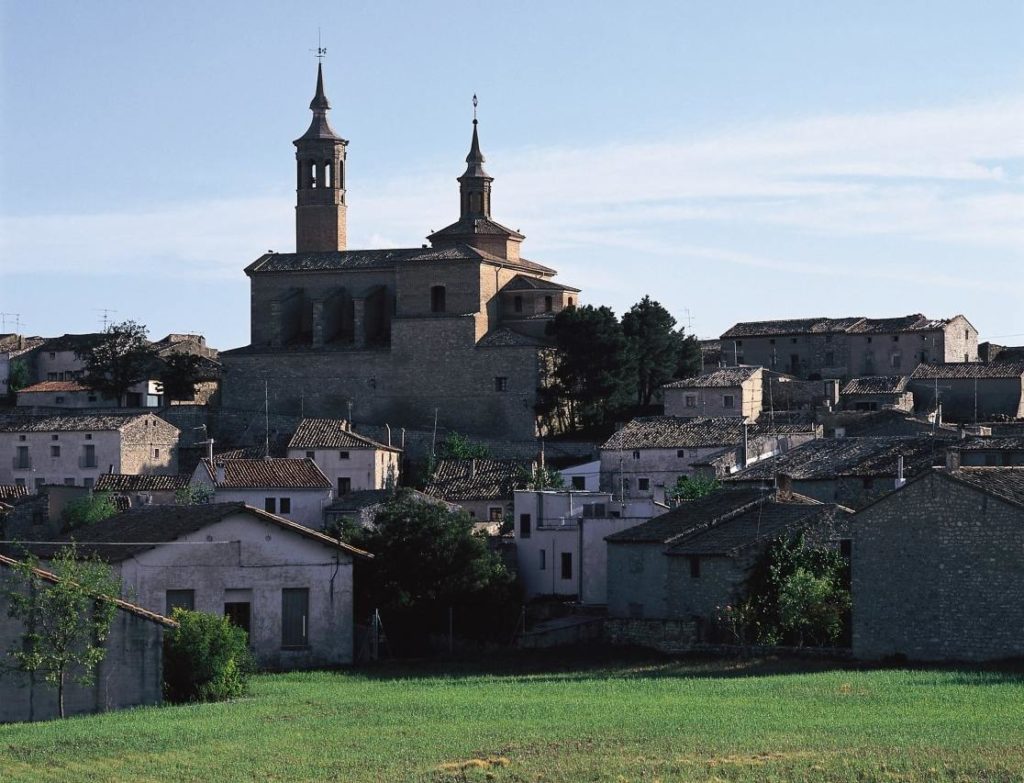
321, 50
474, 107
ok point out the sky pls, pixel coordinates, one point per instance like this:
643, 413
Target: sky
734, 160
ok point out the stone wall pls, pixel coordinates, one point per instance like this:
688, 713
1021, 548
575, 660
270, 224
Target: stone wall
637, 580
960, 397
938, 575
667, 636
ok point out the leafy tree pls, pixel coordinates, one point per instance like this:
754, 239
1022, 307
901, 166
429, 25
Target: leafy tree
178, 376
66, 623
17, 376
193, 495
539, 478
457, 446
88, 510
117, 359
206, 658
594, 372
812, 606
693, 487
689, 360
650, 330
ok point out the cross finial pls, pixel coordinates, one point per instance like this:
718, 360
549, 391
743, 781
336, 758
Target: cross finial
474, 108
321, 50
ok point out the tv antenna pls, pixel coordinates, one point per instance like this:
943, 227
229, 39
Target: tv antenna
689, 320
15, 317
321, 50
106, 315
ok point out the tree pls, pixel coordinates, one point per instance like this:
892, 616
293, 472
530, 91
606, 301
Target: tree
117, 359
88, 510
693, 487
193, 495
457, 446
17, 377
594, 371
206, 658
539, 478
650, 330
66, 621
689, 359
178, 376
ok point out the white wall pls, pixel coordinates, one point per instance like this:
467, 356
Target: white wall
48, 469
590, 472
365, 468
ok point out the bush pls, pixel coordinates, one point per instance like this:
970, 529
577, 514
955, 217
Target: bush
206, 658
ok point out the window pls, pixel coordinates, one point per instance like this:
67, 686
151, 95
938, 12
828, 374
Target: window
344, 485
691, 400
681, 453
55, 437
180, 599
295, 617
53, 355
286, 505
524, 525
772, 341
517, 304
437, 299
238, 608
636, 455
310, 454
643, 484
495, 513
69, 482
500, 383
566, 565
694, 567
543, 559
21, 437
88, 436
39, 482
92, 398
896, 359
156, 453
728, 401
830, 359
895, 338
579, 482
572, 302
54, 451
343, 455
22, 461
89, 456
549, 304
270, 504
869, 339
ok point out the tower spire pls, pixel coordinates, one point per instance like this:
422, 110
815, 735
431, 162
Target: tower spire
475, 158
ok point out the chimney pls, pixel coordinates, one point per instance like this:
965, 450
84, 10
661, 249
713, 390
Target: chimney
472, 468
783, 487
953, 459
900, 481
221, 473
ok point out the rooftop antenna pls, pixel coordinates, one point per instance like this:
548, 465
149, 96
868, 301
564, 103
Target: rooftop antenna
689, 320
16, 317
321, 50
106, 315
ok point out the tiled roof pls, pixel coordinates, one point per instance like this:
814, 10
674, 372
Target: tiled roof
12, 491
762, 523
125, 535
526, 283
378, 259
15, 344
479, 479
465, 226
792, 326
989, 442
72, 422
331, 434
725, 376
877, 384
1004, 483
130, 482
828, 458
367, 498
55, 386
274, 473
671, 432
901, 323
969, 370
691, 515
119, 603
71, 342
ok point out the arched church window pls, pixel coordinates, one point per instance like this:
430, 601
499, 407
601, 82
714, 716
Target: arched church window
328, 175
571, 302
298, 175
437, 299
312, 173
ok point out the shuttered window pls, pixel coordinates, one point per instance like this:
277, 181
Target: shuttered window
295, 617
185, 599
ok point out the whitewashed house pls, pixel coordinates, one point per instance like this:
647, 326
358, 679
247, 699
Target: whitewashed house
293, 488
585, 476
351, 462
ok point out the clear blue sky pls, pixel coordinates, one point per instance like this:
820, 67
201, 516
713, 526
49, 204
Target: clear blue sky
739, 160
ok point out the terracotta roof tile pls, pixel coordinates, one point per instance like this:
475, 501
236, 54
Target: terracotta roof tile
12, 491
969, 370
274, 473
725, 376
55, 386
1004, 483
672, 432
479, 479
331, 434
73, 422
129, 482
877, 384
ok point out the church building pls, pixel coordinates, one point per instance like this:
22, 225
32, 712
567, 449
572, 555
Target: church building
457, 325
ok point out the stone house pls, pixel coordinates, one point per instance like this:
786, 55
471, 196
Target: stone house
288, 586
143, 490
648, 455
970, 391
483, 488
560, 540
351, 462
729, 391
294, 488
14, 348
850, 346
878, 392
62, 394
75, 449
937, 568
989, 451
684, 565
454, 329
130, 674
850, 471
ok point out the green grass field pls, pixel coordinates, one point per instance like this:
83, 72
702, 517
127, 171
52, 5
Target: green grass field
537, 719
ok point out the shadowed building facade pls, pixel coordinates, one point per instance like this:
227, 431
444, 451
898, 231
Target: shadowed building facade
457, 326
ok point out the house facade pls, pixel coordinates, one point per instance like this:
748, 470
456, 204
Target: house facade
351, 462
77, 449
483, 488
970, 391
62, 394
937, 568
734, 391
293, 488
878, 392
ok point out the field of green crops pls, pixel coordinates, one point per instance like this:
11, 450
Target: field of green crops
545, 718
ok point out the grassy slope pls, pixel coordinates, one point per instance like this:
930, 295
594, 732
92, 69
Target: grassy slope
636, 720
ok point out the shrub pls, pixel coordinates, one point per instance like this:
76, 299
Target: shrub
88, 510
206, 658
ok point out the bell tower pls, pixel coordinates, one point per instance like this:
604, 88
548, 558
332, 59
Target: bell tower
320, 187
